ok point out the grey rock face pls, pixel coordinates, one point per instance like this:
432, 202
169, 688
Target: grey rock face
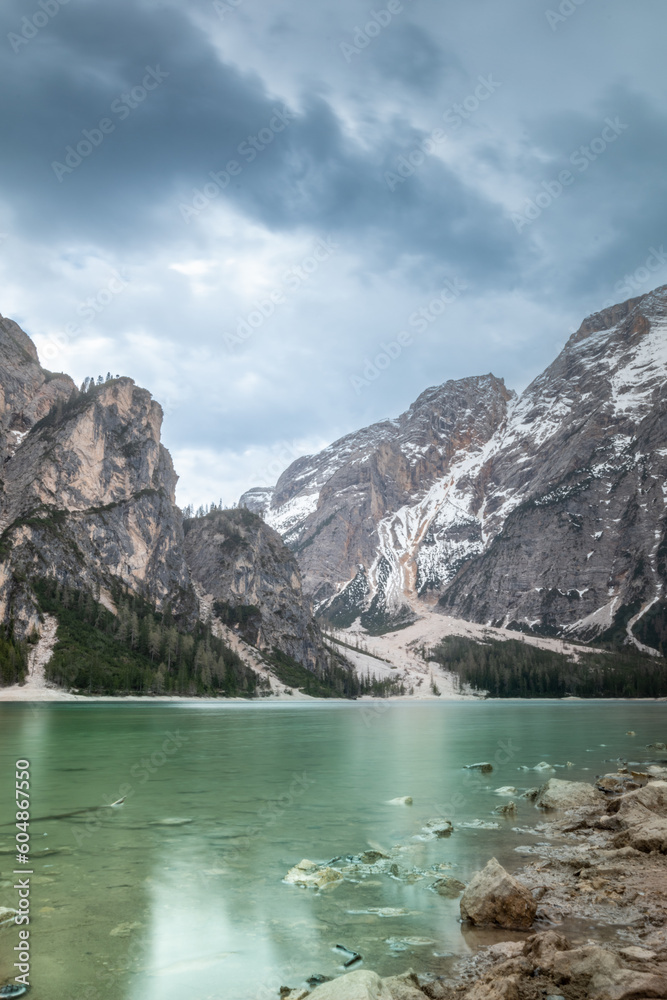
87, 491
335, 509
245, 566
543, 512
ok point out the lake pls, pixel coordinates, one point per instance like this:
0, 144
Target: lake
178, 893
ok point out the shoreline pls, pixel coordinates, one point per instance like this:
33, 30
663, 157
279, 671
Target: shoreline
27, 694
597, 877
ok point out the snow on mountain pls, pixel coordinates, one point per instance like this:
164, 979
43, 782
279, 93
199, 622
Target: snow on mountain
545, 511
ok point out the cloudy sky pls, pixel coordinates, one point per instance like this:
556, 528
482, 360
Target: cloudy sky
288, 218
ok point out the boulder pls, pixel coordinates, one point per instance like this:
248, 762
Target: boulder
601, 975
360, 985
557, 794
646, 837
495, 897
509, 809
403, 987
311, 875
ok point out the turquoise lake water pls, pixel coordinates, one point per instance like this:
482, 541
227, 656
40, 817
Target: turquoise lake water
179, 893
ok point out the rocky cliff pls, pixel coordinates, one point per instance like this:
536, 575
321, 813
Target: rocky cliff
351, 514
87, 499
253, 583
87, 489
544, 511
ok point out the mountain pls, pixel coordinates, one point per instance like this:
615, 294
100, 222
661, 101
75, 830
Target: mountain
544, 512
253, 583
88, 523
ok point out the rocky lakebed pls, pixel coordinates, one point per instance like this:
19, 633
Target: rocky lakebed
585, 917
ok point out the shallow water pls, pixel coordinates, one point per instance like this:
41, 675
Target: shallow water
125, 906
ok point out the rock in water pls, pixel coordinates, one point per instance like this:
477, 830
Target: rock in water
13, 990
509, 809
402, 800
310, 875
449, 887
557, 794
439, 827
482, 766
494, 897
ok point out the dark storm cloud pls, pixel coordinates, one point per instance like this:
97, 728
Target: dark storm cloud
411, 57
58, 88
614, 210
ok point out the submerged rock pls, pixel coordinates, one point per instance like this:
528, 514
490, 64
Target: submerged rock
448, 887
439, 827
7, 915
494, 897
507, 790
482, 766
402, 800
371, 857
557, 794
311, 875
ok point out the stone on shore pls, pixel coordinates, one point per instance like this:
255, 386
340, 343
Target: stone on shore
494, 897
360, 985
594, 972
558, 794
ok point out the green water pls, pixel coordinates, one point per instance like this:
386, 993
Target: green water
123, 907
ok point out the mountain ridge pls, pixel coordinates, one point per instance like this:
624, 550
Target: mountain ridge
579, 427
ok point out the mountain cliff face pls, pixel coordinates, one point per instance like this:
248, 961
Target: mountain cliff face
545, 512
87, 499
87, 488
338, 510
254, 582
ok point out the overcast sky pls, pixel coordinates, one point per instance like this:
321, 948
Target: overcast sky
287, 218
